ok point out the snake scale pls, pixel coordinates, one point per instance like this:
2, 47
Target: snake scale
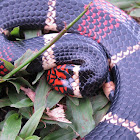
78, 64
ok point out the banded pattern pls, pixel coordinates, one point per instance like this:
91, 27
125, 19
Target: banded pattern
114, 119
104, 37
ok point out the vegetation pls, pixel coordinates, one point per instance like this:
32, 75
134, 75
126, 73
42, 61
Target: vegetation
37, 112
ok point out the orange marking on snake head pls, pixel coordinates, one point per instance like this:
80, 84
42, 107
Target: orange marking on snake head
61, 89
52, 71
50, 81
67, 70
65, 88
57, 82
58, 67
47, 77
56, 88
48, 73
60, 75
53, 76
63, 67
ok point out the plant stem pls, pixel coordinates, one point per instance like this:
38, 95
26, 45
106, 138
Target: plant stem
45, 47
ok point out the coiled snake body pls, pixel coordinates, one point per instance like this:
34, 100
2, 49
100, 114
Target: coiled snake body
79, 60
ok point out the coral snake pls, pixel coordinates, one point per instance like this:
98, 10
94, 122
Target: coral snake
78, 64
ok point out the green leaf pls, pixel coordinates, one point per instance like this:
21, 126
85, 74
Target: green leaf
7, 115
15, 31
61, 134
8, 65
41, 92
99, 114
127, 5
122, 4
46, 130
61, 124
26, 112
18, 138
38, 77
82, 116
32, 33
53, 98
135, 12
5, 102
31, 125
74, 100
33, 138
14, 96
1, 125
28, 54
11, 127
98, 102
23, 103
18, 82
100, 105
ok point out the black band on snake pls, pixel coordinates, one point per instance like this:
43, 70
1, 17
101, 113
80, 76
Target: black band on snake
78, 64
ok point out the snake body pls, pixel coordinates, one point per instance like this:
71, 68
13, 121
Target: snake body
78, 62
